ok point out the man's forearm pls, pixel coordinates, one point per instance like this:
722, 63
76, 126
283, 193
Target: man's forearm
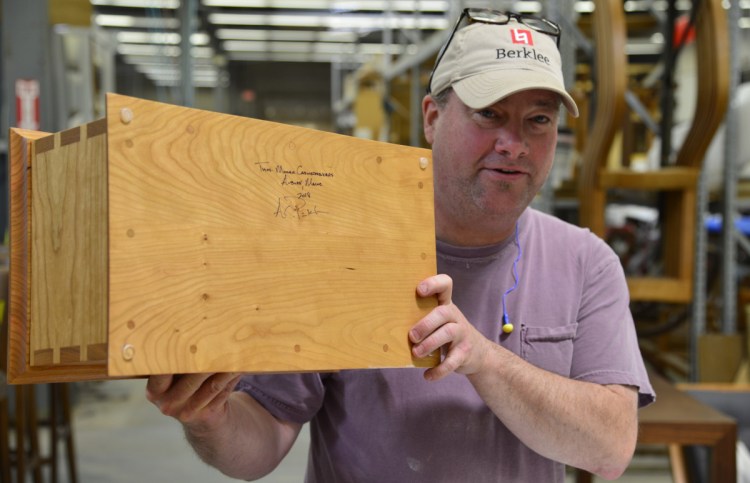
584, 425
248, 444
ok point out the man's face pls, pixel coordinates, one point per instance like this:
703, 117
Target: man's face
489, 163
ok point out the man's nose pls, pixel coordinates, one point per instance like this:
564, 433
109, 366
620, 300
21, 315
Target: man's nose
511, 142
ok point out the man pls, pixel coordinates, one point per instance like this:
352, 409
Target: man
540, 368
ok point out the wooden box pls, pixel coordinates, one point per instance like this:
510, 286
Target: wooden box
164, 239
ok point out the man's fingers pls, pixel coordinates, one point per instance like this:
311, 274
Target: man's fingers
222, 382
158, 385
439, 316
187, 385
441, 370
205, 392
440, 285
223, 388
192, 398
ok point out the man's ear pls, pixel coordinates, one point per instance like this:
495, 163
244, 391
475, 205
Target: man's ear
430, 114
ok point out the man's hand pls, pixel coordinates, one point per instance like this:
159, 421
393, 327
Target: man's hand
445, 327
198, 400
581, 424
229, 430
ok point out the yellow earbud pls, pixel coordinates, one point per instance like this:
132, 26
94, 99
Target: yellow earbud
508, 328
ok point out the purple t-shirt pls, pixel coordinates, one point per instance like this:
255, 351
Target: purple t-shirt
571, 316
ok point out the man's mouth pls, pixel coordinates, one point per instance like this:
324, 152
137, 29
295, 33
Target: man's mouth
506, 171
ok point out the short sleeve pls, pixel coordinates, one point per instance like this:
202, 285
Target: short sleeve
606, 345
288, 397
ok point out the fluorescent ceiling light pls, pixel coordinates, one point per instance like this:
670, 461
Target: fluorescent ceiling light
376, 49
151, 50
175, 73
336, 5
171, 4
287, 57
129, 21
167, 69
299, 57
313, 47
661, 5
153, 60
174, 82
337, 21
527, 7
167, 38
162, 50
287, 35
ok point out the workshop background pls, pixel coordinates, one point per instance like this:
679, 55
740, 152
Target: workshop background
639, 167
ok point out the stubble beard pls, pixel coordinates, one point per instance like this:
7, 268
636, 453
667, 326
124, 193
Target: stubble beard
474, 210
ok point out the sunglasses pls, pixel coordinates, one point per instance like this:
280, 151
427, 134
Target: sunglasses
494, 17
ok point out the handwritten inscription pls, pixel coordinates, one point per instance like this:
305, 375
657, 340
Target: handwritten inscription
304, 183
296, 207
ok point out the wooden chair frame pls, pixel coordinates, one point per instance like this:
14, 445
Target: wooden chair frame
678, 183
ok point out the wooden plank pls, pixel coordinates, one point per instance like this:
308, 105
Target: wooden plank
675, 407
677, 418
719, 357
610, 37
245, 245
19, 369
69, 239
673, 290
713, 79
19, 166
70, 12
678, 226
669, 178
728, 387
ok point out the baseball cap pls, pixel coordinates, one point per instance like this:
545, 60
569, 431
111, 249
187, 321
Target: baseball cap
486, 62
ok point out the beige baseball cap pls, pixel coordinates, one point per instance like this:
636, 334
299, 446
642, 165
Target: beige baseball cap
485, 63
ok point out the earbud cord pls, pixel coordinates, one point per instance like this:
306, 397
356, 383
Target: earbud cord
507, 326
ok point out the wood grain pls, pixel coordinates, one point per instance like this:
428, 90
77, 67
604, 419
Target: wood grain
69, 247
19, 369
245, 245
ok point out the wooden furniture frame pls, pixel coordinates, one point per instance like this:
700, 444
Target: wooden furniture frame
729, 399
678, 183
32, 458
164, 239
676, 419
4, 432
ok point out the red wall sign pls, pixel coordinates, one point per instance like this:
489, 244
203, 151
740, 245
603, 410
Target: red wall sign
27, 104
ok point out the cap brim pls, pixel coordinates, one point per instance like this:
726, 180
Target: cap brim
485, 89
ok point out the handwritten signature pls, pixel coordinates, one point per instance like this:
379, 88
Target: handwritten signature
292, 206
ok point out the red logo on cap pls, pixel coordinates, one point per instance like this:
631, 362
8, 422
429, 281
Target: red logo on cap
521, 36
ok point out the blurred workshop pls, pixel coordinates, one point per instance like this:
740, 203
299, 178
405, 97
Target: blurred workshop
657, 164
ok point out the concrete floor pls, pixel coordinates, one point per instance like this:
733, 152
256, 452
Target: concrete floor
121, 438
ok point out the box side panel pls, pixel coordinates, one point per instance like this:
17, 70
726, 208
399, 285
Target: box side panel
20, 314
18, 296
243, 245
69, 250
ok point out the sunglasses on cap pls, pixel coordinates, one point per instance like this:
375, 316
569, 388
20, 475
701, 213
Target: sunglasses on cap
494, 17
